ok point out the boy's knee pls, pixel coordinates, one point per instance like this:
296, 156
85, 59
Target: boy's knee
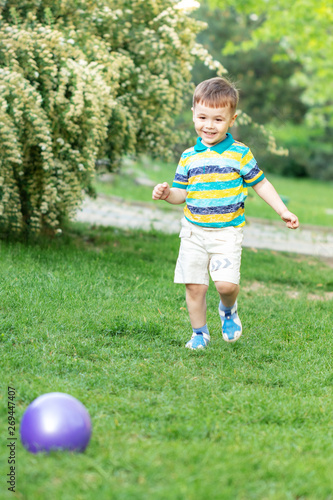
226, 288
195, 290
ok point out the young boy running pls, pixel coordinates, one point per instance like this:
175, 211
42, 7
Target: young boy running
213, 177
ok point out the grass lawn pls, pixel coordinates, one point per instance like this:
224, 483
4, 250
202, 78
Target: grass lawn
96, 315
310, 199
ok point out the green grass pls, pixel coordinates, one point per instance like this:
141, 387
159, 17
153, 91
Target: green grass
310, 199
95, 314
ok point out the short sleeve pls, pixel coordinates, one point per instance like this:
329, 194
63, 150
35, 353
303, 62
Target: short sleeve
181, 175
249, 169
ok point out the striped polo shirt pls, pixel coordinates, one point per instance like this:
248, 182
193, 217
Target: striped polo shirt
216, 181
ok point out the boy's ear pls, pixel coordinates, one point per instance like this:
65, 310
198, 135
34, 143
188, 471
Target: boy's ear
233, 120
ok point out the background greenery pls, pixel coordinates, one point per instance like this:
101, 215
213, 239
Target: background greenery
255, 43
82, 82
85, 84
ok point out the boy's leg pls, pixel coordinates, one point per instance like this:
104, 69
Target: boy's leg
231, 324
197, 307
196, 304
226, 251
228, 292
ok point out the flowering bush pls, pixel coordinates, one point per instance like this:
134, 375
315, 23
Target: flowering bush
54, 110
80, 81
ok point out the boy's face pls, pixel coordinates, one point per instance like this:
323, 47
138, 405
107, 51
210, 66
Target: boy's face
212, 124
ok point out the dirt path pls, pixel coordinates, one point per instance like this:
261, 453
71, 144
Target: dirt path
273, 235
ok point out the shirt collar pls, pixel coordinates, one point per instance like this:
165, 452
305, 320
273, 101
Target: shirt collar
220, 147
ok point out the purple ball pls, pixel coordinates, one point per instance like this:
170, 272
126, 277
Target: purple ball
55, 421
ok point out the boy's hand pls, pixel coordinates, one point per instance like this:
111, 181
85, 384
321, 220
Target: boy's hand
161, 191
290, 219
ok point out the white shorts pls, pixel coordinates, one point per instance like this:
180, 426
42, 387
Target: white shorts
204, 249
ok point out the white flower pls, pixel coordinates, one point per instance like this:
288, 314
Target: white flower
187, 5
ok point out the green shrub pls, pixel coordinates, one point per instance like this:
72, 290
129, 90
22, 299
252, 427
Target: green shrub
54, 114
82, 81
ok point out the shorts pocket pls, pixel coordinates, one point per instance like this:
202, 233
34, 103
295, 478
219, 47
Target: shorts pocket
185, 232
238, 231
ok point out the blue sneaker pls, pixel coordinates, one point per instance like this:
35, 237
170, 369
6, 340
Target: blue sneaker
231, 324
198, 341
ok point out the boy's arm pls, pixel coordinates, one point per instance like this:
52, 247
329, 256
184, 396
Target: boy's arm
175, 196
267, 192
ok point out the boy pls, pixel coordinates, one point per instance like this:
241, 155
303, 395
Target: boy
212, 177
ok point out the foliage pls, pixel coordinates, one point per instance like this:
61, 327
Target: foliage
302, 38
54, 112
265, 90
82, 81
302, 32
310, 152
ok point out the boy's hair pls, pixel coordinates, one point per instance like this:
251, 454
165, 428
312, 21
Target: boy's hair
216, 93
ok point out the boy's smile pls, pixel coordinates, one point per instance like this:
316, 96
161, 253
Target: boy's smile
212, 124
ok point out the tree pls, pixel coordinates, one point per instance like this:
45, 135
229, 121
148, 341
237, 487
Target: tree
82, 80
302, 34
302, 31
266, 92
